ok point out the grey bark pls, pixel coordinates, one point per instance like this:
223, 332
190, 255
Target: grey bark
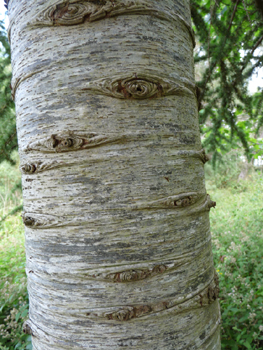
116, 212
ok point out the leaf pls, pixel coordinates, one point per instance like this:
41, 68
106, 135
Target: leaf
18, 316
24, 313
247, 345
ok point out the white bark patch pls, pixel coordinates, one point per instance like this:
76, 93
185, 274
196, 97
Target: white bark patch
115, 208
74, 12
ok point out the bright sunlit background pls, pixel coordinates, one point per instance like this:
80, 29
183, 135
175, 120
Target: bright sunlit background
3, 13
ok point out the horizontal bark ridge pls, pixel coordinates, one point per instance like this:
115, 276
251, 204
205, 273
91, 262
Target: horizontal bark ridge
180, 202
72, 12
198, 299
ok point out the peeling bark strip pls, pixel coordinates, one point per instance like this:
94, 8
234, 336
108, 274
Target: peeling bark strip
116, 212
139, 86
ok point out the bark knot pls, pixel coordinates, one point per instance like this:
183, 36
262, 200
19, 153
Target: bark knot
28, 168
39, 166
139, 86
210, 203
29, 220
184, 202
211, 293
204, 157
27, 328
129, 313
136, 274
63, 142
73, 12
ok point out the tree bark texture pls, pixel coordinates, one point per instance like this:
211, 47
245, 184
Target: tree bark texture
115, 207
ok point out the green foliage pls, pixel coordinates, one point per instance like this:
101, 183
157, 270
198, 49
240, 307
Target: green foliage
10, 185
13, 297
230, 34
8, 139
227, 171
237, 238
13, 292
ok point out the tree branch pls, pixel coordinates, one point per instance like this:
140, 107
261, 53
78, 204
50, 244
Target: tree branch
221, 51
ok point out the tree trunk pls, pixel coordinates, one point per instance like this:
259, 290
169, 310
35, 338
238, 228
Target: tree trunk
115, 209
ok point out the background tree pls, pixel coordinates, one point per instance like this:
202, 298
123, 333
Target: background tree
230, 41
116, 213
230, 35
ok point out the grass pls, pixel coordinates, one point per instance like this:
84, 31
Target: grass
237, 236
13, 296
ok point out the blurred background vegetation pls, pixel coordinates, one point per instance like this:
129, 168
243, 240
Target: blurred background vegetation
8, 139
228, 56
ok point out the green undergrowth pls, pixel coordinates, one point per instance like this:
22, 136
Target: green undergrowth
237, 237
13, 292
13, 297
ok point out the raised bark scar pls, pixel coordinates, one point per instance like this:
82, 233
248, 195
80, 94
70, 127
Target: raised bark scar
67, 142
174, 202
35, 220
204, 157
133, 275
184, 202
30, 221
39, 166
73, 12
200, 299
210, 203
27, 328
139, 86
